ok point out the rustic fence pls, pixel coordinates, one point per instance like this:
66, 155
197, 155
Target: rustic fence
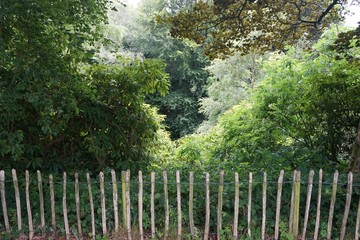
294, 217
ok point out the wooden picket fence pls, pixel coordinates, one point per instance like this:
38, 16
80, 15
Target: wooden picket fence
125, 182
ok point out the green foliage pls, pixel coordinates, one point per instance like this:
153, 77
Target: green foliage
224, 27
311, 98
285, 235
232, 80
184, 63
62, 109
195, 152
188, 81
302, 115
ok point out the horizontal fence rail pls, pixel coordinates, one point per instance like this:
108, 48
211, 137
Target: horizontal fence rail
165, 206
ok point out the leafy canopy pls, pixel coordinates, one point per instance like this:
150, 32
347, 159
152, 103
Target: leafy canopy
60, 106
232, 80
302, 115
184, 61
228, 26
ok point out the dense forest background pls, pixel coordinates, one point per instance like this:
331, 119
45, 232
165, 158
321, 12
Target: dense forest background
109, 85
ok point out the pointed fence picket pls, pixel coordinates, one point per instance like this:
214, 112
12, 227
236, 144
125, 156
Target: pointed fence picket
298, 216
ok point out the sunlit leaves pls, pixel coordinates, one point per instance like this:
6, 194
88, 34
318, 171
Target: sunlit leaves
251, 26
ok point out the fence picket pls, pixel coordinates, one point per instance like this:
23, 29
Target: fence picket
263, 224
278, 204
115, 200
347, 206
102, 202
3, 201
140, 206
220, 204
17, 199
178, 195
166, 196
52, 201
91, 206
317, 222
332, 205
308, 199
123, 196
207, 204
128, 205
66, 221
357, 222
291, 215
28, 205
191, 205
236, 207
41, 199
152, 205
249, 205
77, 202
296, 205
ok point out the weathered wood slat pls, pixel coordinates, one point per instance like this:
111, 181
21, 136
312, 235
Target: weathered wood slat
17, 199
357, 222
65, 212
123, 196
220, 204
332, 205
317, 221
28, 204
178, 195
52, 201
140, 206
263, 224
115, 199
152, 205
207, 206
91, 206
292, 201
296, 205
347, 206
191, 205
166, 196
128, 205
41, 199
249, 205
308, 199
278, 204
102, 202
3, 201
236, 207
77, 203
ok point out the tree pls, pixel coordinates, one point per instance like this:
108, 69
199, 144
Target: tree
184, 61
60, 107
224, 27
247, 26
303, 114
232, 80
304, 111
347, 46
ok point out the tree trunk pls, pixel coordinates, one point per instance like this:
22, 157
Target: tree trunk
355, 154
